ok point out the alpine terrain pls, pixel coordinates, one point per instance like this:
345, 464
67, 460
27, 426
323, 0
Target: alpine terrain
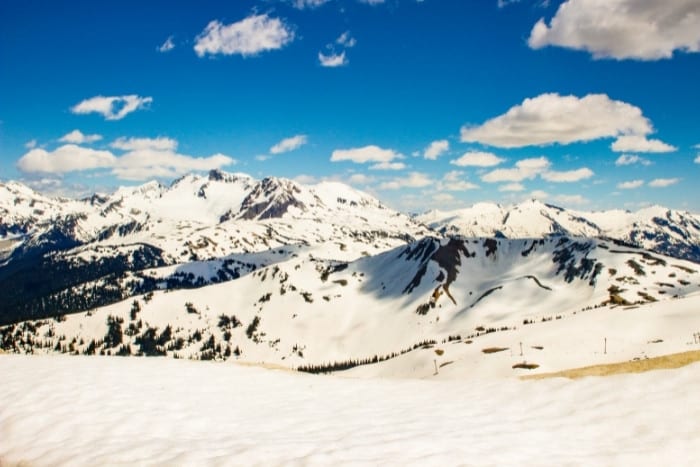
325, 278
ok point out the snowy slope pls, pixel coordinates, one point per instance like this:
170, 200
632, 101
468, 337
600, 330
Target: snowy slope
305, 311
107, 242
656, 228
81, 411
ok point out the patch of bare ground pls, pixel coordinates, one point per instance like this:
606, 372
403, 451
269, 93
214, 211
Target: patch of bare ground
665, 362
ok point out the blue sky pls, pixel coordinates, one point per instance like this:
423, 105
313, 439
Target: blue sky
425, 104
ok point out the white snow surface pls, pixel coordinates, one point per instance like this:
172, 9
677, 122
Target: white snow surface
87, 411
649, 227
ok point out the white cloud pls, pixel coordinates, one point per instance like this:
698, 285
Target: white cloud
77, 137
332, 60
412, 180
346, 40
640, 143
112, 107
512, 187
360, 179
551, 118
304, 179
372, 2
663, 182
388, 166
630, 159
697, 159
301, 4
567, 176
145, 158
137, 144
477, 159
622, 29
538, 194
365, 154
149, 163
66, 158
250, 36
454, 180
167, 46
630, 185
436, 149
524, 169
289, 144
31, 144
571, 200
443, 198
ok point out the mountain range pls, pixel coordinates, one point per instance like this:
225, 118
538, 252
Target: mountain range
321, 277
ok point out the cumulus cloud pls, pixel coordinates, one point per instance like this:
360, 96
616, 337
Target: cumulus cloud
631, 159
552, 118
570, 200
332, 60
388, 166
301, 4
137, 144
512, 187
77, 137
112, 107
360, 179
630, 185
524, 169
567, 176
167, 46
412, 180
622, 29
538, 194
66, 158
436, 149
697, 159
663, 182
305, 179
144, 158
31, 144
477, 159
640, 143
250, 36
455, 180
143, 164
443, 198
365, 154
289, 144
346, 40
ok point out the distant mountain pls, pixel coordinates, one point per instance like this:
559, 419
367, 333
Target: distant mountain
662, 230
322, 277
225, 223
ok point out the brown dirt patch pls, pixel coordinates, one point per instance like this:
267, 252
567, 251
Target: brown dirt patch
665, 362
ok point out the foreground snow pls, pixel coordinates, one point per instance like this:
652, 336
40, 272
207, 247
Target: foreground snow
105, 411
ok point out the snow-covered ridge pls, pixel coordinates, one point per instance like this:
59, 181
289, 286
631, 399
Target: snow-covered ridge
393, 308
667, 231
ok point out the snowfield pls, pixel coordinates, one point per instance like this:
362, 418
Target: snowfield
77, 411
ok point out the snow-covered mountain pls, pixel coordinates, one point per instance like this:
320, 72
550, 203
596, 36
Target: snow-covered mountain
322, 315
666, 231
96, 249
323, 277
